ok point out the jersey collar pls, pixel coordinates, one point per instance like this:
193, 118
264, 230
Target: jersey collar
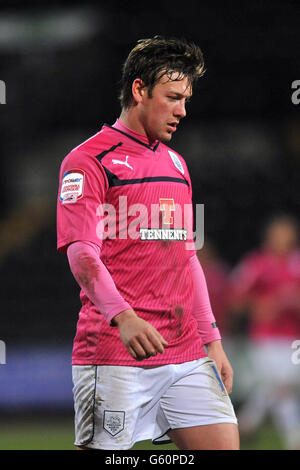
139, 138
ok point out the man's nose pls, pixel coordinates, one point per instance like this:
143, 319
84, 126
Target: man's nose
180, 110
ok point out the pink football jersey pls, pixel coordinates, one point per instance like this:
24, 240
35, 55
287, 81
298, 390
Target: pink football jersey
271, 286
134, 201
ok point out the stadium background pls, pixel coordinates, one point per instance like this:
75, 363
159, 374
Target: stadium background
61, 65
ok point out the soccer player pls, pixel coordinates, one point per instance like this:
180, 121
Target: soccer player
266, 285
140, 369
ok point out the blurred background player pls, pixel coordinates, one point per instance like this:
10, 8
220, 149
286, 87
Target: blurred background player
266, 288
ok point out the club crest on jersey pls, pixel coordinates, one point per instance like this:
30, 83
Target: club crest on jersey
113, 421
72, 186
176, 161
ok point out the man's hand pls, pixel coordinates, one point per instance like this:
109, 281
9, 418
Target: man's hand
139, 337
215, 351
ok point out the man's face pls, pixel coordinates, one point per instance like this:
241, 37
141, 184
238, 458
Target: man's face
161, 113
281, 238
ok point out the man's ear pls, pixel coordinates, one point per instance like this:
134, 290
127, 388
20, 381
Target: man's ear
138, 90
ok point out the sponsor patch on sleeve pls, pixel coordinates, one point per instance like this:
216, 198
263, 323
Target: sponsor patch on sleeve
72, 186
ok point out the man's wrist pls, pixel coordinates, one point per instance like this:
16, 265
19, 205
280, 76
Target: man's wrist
216, 344
123, 316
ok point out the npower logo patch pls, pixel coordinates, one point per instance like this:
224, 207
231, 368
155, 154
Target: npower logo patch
72, 186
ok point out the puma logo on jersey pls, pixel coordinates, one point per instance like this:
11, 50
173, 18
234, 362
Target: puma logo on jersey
120, 162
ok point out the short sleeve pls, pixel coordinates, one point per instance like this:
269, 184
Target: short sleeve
82, 188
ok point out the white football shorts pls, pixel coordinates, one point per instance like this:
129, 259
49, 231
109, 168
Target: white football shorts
116, 406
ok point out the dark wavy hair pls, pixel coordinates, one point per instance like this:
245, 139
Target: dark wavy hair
151, 58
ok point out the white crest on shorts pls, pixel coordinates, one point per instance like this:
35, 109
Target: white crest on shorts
113, 421
176, 161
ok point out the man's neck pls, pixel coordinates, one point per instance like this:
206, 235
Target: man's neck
130, 119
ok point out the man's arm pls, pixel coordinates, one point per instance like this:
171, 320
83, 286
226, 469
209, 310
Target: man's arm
207, 324
139, 337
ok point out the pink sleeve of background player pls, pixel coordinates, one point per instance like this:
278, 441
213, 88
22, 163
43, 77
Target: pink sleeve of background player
202, 309
94, 278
